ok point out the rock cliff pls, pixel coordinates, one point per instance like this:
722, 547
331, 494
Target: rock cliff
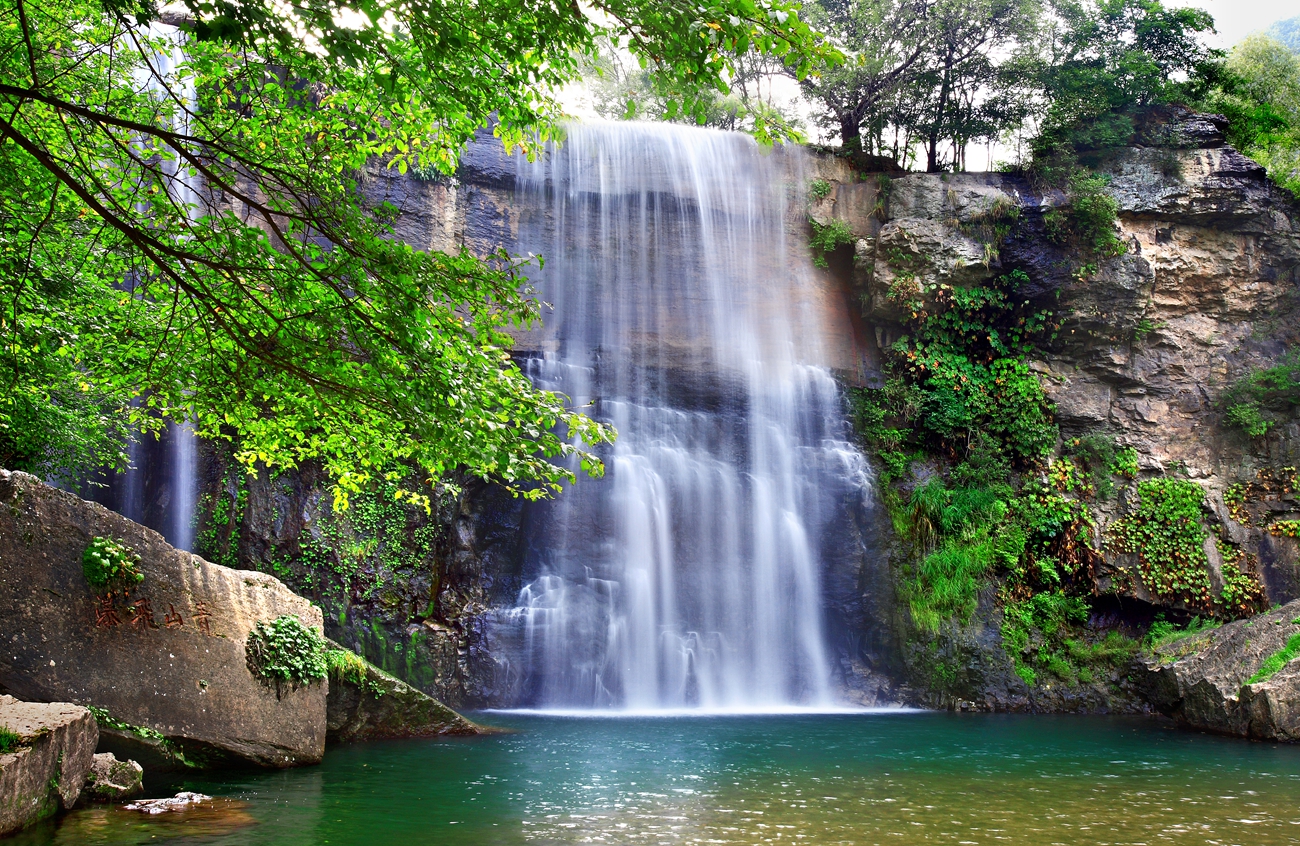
1149, 342
405, 588
1205, 293
47, 753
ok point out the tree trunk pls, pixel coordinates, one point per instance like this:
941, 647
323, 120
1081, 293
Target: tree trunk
945, 90
850, 133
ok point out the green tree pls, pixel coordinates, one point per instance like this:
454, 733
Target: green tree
884, 43
920, 73
186, 233
1102, 61
621, 89
1287, 32
958, 92
1259, 92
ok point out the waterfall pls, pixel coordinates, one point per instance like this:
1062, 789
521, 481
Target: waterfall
686, 315
159, 487
182, 443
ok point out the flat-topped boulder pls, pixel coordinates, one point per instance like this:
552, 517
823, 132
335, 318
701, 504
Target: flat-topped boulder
45, 752
1241, 679
166, 654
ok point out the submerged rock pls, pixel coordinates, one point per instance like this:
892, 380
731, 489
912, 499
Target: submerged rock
55, 744
164, 656
1217, 680
179, 802
365, 703
110, 779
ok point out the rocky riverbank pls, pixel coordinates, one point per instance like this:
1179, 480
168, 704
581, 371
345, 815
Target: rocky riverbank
1241, 678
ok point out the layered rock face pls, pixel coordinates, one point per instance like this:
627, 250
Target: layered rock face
167, 655
1213, 681
47, 770
1207, 291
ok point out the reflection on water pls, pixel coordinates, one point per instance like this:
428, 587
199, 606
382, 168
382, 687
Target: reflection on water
828, 779
115, 826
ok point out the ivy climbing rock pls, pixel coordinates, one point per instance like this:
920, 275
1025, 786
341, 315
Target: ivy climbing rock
161, 659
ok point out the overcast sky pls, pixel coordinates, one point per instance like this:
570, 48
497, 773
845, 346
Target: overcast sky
1235, 19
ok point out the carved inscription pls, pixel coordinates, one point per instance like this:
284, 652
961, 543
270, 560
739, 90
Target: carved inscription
107, 614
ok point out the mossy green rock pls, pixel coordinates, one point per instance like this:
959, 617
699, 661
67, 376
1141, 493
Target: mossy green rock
1204, 682
365, 703
110, 779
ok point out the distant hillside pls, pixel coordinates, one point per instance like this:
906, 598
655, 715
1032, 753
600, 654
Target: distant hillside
1288, 32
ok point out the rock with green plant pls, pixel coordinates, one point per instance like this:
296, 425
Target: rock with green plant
110, 780
98, 610
1068, 354
403, 586
1241, 678
46, 750
366, 703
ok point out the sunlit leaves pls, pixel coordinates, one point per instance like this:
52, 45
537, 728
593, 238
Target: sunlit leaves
191, 234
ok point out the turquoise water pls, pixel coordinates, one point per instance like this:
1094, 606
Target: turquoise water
893, 778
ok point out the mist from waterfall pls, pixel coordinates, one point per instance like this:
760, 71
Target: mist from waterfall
690, 577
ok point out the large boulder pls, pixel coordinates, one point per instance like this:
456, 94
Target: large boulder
55, 744
167, 655
365, 703
1204, 680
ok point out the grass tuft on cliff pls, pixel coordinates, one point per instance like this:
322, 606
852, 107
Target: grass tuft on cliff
1277, 660
10, 740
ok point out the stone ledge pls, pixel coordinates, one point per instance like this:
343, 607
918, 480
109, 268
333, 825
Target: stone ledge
46, 773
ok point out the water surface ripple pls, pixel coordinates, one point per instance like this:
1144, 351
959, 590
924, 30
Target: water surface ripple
899, 778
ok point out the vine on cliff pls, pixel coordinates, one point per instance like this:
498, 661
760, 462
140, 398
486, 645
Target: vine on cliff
827, 238
1165, 533
1262, 399
111, 564
961, 398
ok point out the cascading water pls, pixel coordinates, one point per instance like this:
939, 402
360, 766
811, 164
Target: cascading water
160, 486
690, 576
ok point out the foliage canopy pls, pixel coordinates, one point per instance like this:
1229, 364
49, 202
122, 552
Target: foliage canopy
188, 233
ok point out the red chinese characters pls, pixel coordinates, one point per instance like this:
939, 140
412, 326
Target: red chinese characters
142, 614
105, 612
201, 616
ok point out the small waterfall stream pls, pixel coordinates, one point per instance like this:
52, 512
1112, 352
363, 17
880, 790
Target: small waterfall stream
690, 577
160, 487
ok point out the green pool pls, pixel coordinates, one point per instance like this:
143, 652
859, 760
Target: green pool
888, 778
